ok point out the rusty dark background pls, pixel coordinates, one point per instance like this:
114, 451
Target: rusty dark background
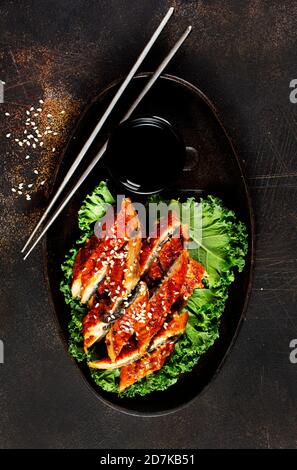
242, 54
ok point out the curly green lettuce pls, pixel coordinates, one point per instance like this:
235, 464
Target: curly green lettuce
221, 248
94, 206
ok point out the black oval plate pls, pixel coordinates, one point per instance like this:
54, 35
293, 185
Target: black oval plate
212, 168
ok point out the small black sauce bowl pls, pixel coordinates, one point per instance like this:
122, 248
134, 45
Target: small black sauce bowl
145, 155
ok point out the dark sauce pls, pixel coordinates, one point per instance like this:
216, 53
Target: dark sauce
145, 155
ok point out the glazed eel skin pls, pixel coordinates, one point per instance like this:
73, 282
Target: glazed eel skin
135, 289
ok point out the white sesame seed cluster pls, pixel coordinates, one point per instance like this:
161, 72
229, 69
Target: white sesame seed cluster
35, 136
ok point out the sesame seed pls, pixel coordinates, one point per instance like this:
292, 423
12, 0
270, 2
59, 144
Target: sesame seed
8, 135
39, 110
30, 185
28, 113
53, 149
20, 192
27, 157
7, 114
28, 143
42, 183
34, 146
32, 108
63, 112
41, 144
13, 190
49, 115
28, 197
36, 172
35, 114
17, 140
20, 144
41, 101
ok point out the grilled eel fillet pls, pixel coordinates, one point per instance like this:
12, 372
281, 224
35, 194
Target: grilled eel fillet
144, 317
194, 279
122, 330
92, 260
174, 328
82, 257
146, 365
164, 230
167, 255
122, 276
161, 302
121, 279
148, 322
135, 314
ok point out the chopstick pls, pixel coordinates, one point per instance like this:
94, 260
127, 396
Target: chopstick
147, 87
98, 127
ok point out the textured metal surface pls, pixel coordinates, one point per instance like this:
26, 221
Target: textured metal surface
243, 54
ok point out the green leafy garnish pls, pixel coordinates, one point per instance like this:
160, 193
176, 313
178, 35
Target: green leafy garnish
94, 206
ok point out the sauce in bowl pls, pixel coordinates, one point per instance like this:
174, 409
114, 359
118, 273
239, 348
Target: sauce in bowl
145, 154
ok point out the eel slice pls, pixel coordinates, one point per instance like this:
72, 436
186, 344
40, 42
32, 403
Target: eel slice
173, 329
146, 365
92, 260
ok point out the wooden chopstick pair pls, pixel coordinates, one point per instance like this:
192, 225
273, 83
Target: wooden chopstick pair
87, 145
